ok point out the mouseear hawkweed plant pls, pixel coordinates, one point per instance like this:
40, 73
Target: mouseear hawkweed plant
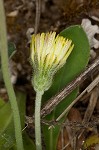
52, 71
48, 54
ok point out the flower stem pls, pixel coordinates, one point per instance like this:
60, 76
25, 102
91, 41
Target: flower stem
37, 120
6, 76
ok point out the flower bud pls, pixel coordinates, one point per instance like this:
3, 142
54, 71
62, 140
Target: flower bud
48, 54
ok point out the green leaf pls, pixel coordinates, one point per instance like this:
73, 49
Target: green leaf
11, 52
5, 117
28, 143
7, 136
11, 49
75, 64
2, 103
1, 77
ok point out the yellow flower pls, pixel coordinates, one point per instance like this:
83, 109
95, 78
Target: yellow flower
48, 53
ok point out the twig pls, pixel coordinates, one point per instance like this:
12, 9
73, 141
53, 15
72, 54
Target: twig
71, 87
62, 138
54, 101
87, 116
94, 122
91, 105
38, 13
90, 108
70, 134
87, 90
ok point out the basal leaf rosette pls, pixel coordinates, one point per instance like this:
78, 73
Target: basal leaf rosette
49, 53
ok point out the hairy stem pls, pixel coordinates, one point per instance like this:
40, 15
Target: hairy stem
37, 120
6, 76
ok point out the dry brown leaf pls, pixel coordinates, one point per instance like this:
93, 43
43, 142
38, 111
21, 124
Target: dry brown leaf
13, 13
73, 116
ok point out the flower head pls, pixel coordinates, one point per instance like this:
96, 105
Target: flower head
48, 54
